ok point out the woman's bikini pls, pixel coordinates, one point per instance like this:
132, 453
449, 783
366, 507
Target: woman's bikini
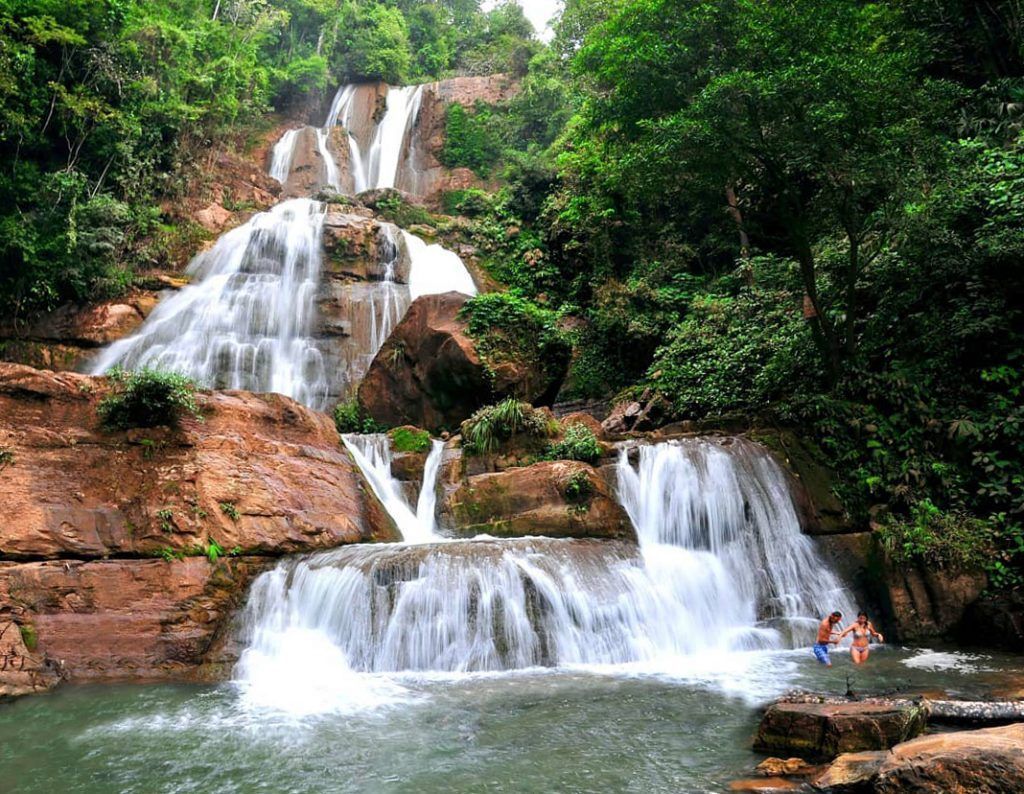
862, 637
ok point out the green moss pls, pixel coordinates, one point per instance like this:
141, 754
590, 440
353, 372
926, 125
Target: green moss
28, 636
409, 439
507, 329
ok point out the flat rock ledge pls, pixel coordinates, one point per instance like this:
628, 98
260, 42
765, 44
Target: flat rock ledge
823, 730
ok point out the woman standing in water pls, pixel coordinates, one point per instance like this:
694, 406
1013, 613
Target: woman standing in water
863, 631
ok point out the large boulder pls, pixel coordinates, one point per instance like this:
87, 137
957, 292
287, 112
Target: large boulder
260, 472
556, 498
123, 553
428, 372
988, 761
825, 730
105, 619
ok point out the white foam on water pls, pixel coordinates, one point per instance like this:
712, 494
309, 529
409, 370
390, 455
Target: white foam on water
935, 661
722, 582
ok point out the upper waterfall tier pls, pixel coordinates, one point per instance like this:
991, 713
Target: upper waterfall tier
722, 567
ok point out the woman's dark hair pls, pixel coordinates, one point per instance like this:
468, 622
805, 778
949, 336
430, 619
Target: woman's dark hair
862, 615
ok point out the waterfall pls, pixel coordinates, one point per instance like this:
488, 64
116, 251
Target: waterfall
372, 453
390, 301
403, 105
283, 152
389, 140
434, 269
731, 506
721, 567
245, 321
427, 502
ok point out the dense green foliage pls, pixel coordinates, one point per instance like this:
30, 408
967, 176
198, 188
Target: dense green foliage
508, 330
792, 212
349, 417
109, 107
409, 439
493, 425
578, 443
147, 398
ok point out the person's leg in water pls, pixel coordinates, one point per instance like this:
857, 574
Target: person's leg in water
821, 654
859, 655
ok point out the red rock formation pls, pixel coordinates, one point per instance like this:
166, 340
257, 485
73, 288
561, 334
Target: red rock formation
428, 373
84, 508
561, 499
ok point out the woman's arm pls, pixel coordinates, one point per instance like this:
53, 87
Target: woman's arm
871, 628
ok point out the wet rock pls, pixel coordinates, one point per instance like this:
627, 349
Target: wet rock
988, 761
851, 772
428, 372
108, 619
556, 499
925, 603
825, 730
261, 472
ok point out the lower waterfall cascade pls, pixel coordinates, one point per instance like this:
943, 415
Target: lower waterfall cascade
721, 568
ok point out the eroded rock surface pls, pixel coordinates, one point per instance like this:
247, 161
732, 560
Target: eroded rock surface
554, 498
103, 537
987, 761
825, 730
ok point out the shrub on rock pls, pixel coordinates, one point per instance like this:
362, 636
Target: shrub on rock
147, 398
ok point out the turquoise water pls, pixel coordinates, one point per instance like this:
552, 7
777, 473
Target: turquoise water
531, 731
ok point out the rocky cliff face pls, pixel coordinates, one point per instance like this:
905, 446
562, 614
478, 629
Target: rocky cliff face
103, 533
420, 171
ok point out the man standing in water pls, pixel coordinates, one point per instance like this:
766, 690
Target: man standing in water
825, 631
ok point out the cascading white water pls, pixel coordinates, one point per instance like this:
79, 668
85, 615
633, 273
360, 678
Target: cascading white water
283, 152
403, 105
427, 502
378, 168
245, 321
721, 567
372, 453
434, 269
730, 505
390, 300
